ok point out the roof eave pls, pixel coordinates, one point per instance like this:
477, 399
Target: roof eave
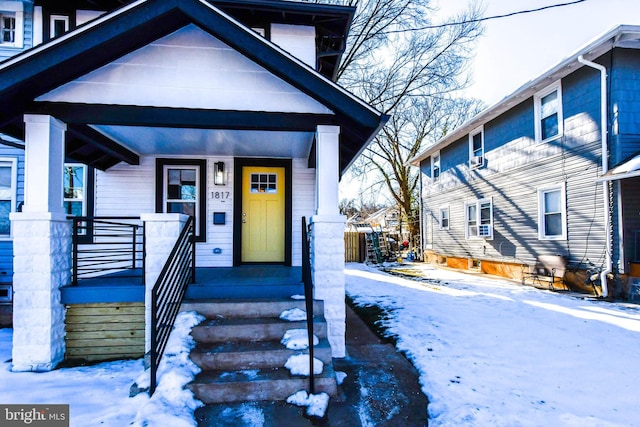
611, 39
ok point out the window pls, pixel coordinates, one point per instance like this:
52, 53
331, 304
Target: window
180, 188
264, 183
59, 25
479, 219
552, 224
444, 218
8, 28
11, 23
435, 166
548, 113
75, 189
7, 194
476, 148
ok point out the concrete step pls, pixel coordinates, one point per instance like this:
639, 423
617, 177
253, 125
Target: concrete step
257, 385
222, 330
223, 290
255, 355
248, 307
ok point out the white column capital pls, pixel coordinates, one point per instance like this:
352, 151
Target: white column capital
328, 129
327, 169
46, 120
44, 161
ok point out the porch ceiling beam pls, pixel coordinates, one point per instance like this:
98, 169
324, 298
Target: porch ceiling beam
125, 115
102, 143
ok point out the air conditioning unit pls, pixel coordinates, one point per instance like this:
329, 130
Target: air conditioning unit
6, 294
477, 161
485, 231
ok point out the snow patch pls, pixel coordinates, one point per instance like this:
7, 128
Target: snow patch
297, 339
297, 297
294, 315
248, 414
172, 404
340, 376
316, 403
298, 364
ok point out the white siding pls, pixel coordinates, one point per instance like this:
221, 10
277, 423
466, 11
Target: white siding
187, 69
298, 40
126, 190
303, 204
218, 236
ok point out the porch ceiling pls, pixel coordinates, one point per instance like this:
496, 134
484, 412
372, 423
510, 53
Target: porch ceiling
220, 142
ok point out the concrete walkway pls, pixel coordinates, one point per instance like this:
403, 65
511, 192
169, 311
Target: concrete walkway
381, 389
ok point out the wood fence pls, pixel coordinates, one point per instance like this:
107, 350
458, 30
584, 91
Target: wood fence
353, 247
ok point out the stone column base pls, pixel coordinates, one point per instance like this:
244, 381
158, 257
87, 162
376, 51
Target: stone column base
327, 269
42, 264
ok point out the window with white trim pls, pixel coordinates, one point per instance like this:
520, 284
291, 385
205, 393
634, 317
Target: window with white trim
552, 213
476, 148
8, 170
181, 191
11, 23
444, 218
435, 166
7, 28
548, 113
479, 219
58, 25
75, 189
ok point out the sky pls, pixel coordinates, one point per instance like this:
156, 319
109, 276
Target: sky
489, 352
516, 49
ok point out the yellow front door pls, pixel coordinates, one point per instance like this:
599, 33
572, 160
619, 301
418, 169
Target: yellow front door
263, 216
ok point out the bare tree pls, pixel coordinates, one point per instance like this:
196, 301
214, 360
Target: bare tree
410, 70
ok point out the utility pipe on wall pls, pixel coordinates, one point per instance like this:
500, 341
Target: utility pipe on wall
605, 167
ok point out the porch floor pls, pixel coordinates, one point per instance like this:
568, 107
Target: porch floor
247, 281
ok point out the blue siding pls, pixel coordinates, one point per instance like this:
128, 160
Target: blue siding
6, 245
516, 166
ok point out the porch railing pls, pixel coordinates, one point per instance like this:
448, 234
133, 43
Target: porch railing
167, 295
308, 298
105, 245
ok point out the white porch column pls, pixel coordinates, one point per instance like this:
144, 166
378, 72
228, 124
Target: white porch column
161, 232
327, 238
42, 250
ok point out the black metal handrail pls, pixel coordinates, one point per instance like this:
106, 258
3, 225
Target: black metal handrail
104, 245
167, 295
308, 298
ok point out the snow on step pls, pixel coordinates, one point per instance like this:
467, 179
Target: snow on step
297, 339
294, 315
316, 403
298, 364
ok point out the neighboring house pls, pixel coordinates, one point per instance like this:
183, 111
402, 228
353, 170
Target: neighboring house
11, 197
524, 178
225, 111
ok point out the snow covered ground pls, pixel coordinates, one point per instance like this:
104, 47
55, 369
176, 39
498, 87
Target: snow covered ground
489, 353
493, 353
98, 395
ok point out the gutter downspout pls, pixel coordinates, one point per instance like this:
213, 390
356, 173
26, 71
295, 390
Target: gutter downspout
605, 167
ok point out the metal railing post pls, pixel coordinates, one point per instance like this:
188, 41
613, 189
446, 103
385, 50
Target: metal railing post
308, 298
74, 254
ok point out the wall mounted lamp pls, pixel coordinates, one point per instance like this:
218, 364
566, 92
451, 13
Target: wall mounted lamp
219, 176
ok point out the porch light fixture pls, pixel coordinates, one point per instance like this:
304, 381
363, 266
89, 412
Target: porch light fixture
218, 173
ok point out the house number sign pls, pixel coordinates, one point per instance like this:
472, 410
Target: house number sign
221, 196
